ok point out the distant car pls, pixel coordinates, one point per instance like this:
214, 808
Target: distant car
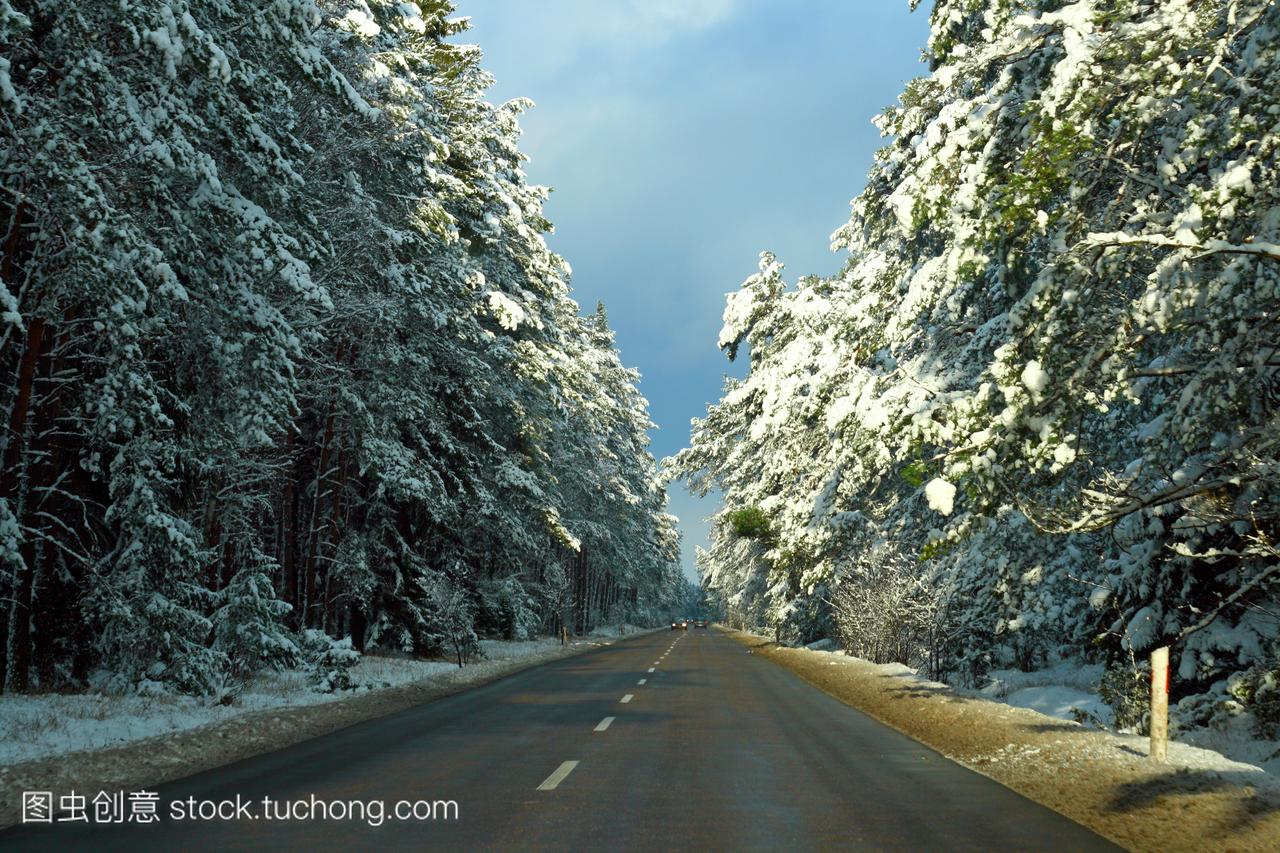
682, 625
700, 623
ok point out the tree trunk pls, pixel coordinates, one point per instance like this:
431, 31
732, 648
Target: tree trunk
15, 474
18, 647
22, 406
313, 533
359, 625
48, 593
337, 524
288, 533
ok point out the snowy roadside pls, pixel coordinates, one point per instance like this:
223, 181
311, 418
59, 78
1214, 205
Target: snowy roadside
1200, 800
1068, 691
91, 742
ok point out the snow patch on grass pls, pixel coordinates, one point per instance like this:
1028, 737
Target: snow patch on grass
1064, 703
1066, 691
1236, 740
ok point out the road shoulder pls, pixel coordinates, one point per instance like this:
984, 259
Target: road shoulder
1097, 779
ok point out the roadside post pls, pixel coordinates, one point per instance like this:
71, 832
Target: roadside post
1160, 704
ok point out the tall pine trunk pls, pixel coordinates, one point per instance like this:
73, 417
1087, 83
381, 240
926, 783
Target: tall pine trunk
15, 487
309, 585
289, 532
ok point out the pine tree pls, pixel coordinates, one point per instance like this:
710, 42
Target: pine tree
286, 347
1045, 368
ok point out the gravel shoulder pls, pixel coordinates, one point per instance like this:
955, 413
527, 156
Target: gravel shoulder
152, 761
1198, 801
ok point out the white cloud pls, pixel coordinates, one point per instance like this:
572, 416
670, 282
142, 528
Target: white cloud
654, 21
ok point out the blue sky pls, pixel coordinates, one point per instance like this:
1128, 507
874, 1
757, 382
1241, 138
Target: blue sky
684, 137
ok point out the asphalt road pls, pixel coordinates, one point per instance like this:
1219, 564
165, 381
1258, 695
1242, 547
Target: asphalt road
717, 749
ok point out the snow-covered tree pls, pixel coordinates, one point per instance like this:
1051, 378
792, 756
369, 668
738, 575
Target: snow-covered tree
1048, 367
284, 346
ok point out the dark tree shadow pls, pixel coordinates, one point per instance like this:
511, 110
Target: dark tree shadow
1250, 806
916, 690
1056, 727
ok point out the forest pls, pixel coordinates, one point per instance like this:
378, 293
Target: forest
1034, 418
289, 369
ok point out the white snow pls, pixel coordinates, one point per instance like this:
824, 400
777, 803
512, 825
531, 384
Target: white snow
1187, 224
1064, 454
902, 202
8, 95
358, 21
941, 495
1235, 740
412, 14
1068, 691
1035, 377
1065, 703
737, 311
1239, 177
167, 42
508, 313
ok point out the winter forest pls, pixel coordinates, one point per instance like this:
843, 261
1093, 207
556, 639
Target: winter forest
289, 371
1035, 417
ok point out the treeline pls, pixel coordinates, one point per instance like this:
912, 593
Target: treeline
1035, 417
285, 352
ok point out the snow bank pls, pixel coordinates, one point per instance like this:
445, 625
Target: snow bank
1064, 703
1066, 691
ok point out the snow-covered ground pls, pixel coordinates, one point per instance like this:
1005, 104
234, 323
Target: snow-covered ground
1068, 691
43, 726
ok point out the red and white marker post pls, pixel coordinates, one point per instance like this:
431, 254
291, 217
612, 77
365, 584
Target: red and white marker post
1160, 704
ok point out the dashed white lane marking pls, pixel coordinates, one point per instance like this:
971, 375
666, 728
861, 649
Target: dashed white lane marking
642, 681
625, 699
605, 723
549, 784
658, 661
651, 669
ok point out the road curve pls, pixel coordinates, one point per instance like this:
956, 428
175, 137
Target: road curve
717, 749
